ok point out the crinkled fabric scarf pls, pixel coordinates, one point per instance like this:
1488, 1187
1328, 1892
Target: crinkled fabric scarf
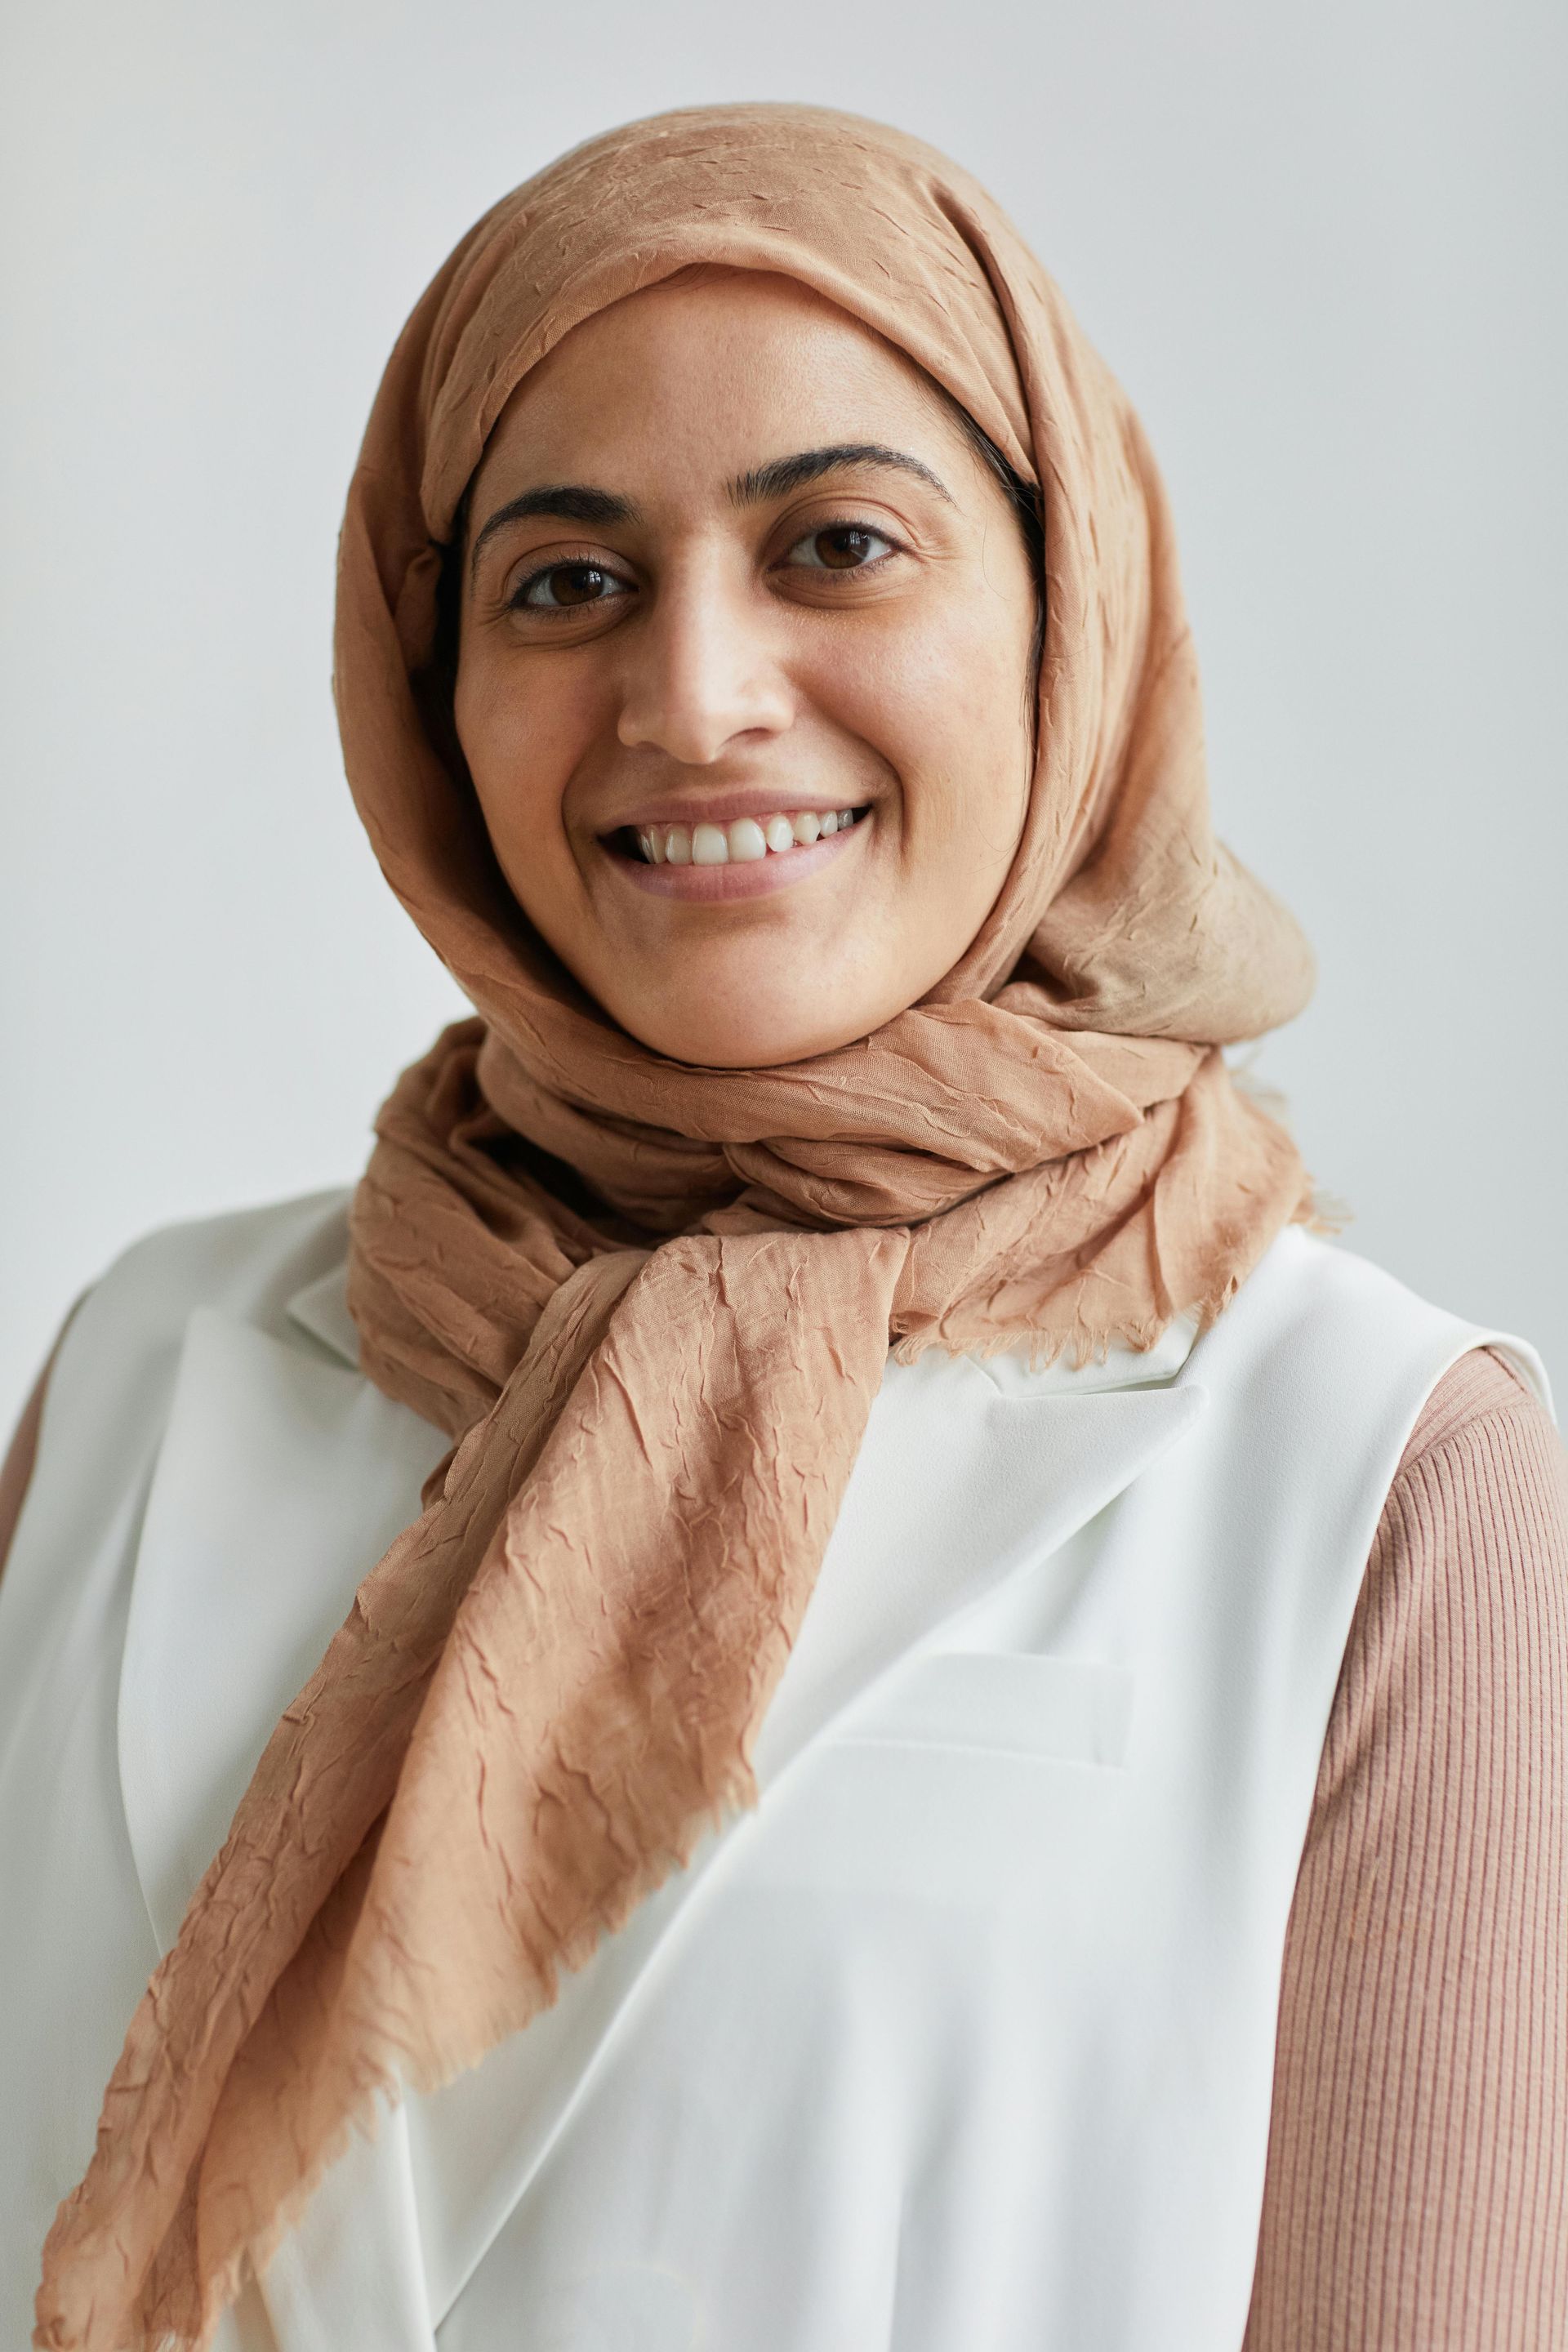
551, 1684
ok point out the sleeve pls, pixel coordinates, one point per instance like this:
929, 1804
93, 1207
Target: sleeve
1416, 2193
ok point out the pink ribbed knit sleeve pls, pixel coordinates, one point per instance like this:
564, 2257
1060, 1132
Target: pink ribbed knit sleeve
1416, 2197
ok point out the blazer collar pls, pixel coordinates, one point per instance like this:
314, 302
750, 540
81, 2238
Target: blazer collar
321, 1307
962, 1482
281, 1478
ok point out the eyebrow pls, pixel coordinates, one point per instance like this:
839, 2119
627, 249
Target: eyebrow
564, 501
578, 502
787, 474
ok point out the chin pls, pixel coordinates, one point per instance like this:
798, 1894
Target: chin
751, 1044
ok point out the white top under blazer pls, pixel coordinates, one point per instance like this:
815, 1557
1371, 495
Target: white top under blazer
962, 2042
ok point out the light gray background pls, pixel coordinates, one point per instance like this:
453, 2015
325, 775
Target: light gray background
1324, 249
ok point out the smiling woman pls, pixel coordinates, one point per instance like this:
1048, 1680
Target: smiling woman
794, 1686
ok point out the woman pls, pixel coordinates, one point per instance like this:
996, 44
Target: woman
788, 1845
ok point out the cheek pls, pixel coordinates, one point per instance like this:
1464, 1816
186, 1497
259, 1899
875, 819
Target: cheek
522, 740
945, 702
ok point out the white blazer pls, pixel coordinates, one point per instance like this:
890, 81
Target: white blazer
963, 2042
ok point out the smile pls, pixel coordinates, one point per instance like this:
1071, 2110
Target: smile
741, 859
742, 842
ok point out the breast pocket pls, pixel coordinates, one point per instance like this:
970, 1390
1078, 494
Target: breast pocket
968, 1782
1058, 1710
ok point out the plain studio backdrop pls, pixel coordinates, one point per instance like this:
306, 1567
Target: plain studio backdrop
1323, 250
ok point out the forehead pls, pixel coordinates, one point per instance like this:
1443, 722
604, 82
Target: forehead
705, 377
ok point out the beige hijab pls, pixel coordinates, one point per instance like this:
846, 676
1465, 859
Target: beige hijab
551, 1683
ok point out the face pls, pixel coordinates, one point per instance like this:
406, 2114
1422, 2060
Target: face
743, 670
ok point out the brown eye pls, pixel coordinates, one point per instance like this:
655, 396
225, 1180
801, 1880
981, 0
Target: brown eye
565, 586
841, 547
841, 551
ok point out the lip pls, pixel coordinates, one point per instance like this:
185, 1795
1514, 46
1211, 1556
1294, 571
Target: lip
754, 878
723, 808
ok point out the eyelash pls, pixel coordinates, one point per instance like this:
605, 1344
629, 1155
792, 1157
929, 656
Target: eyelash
518, 600
843, 528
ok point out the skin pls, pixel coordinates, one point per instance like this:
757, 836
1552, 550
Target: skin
703, 650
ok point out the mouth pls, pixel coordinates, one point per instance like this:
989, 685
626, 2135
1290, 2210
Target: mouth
743, 841
737, 858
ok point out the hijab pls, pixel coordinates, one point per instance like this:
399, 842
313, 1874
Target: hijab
651, 1304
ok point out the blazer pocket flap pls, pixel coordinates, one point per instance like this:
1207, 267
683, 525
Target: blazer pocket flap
1076, 1710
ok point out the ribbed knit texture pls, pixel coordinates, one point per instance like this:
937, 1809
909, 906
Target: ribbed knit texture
1416, 2197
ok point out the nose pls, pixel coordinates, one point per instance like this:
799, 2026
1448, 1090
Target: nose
700, 671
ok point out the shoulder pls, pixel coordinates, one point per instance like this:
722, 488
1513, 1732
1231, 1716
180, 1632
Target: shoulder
1316, 1373
1459, 1645
246, 1263
1307, 1282
1330, 1333
1472, 1546
107, 1389
1483, 1402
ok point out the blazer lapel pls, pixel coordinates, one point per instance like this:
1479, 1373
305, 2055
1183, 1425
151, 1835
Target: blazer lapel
964, 1481
282, 1477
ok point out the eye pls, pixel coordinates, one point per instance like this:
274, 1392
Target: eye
840, 546
567, 588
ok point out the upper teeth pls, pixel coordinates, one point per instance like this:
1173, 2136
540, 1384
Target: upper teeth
746, 838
